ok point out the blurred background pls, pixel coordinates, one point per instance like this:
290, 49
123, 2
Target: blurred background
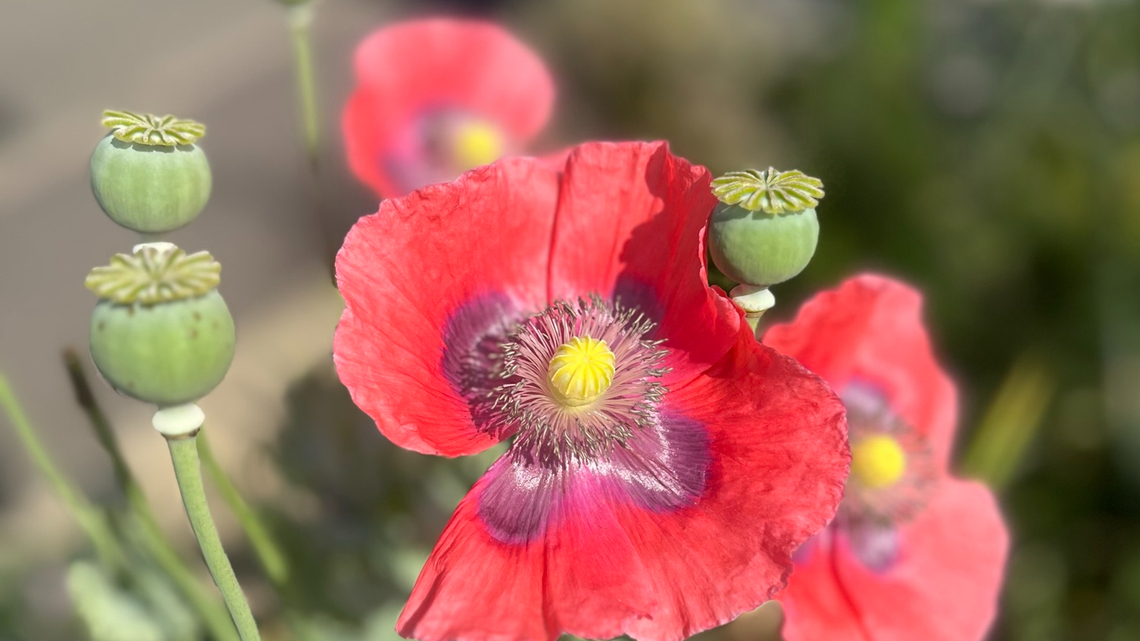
986, 150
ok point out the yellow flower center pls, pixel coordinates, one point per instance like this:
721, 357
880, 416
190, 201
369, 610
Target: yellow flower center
877, 461
476, 143
581, 370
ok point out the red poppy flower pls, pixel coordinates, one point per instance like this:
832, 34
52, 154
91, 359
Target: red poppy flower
437, 97
663, 464
913, 553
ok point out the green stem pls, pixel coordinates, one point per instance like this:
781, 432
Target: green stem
754, 300
300, 19
92, 520
276, 567
184, 454
300, 32
208, 608
158, 545
754, 322
268, 552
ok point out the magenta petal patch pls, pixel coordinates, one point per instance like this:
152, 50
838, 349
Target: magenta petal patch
661, 469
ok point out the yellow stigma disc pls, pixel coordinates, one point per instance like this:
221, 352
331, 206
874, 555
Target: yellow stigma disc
877, 461
582, 370
476, 143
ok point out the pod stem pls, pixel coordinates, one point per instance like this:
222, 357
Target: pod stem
754, 300
90, 518
158, 545
187, 469
267, 550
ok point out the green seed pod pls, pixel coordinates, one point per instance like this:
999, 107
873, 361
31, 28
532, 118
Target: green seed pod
148, 175
765, 230
761, 249
161, 333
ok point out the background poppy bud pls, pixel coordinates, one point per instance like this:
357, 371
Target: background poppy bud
161, 333
765, 230
147, 174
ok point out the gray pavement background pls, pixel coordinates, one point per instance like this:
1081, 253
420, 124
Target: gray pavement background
227, 64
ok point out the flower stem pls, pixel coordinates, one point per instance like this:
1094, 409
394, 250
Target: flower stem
300, 19
754, 301
184, 454
276, 567
300, 33
159, 547
272, 559
92, 520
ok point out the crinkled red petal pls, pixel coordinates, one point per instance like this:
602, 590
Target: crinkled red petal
604, 565
407, 68
631, 223
944, 587
407, 270
870, 330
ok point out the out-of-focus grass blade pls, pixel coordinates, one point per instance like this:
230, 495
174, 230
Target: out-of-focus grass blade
1011, 421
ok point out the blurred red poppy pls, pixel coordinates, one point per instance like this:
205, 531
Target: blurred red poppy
437, 97
913, 553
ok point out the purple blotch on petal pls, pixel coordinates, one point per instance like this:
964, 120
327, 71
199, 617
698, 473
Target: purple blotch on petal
419, 156
663, 468
632, 293
518, 499
473, 338
822, 539
864, 398
409, 172
875, 544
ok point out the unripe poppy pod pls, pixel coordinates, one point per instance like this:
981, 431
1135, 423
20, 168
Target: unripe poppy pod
161, 333
765, 229
147, 174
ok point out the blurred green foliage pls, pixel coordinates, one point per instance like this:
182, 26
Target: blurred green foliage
988, 152
373, 511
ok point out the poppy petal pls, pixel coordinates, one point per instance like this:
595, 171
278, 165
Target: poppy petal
816, 605
756, 458
631, 225
943, 587
425, 280
410, 68
869, 331
367, 135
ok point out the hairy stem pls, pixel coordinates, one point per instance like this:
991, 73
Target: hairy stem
184, 454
